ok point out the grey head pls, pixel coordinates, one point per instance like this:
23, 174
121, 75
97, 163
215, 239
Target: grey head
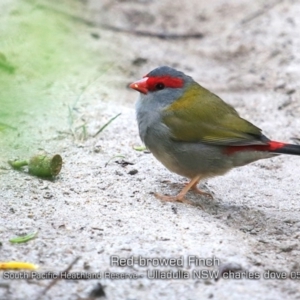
158, 89
166, 71
162, 86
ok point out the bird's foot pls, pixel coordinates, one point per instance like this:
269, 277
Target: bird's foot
179, 198
200, 192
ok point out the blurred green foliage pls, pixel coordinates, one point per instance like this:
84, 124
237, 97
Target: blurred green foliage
43, 63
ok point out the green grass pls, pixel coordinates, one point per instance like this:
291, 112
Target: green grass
44, 65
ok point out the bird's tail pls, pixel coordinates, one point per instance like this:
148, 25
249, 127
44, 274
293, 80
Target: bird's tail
282, 148
271, 146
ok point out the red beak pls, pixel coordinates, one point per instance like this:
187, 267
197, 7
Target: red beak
140, 85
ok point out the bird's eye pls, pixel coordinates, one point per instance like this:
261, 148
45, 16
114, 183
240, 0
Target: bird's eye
160, 86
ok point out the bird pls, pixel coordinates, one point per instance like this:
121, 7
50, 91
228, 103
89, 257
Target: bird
193, 132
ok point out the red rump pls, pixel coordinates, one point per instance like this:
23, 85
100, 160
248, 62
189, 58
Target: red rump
271, 147
167, 81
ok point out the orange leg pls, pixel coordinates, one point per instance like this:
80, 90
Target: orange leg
198, 191
180, 197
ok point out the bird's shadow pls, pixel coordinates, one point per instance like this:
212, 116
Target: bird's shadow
271, 230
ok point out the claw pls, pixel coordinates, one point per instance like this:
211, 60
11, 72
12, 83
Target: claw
200, 192
181, 196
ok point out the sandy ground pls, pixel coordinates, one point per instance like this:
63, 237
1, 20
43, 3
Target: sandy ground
96, 208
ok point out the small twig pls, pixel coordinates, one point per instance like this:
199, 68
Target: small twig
73, 107
163, 36
260, 12
160, 35
84, 90
105, 125
120, 156
54, 281
23, 239
83, 134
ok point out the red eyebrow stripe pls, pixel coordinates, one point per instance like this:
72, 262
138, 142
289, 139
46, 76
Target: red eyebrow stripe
171, 82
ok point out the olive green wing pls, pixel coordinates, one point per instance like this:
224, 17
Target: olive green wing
201, 116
